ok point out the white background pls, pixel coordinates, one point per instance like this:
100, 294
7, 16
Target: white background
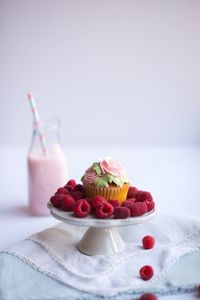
115, 72
124, 78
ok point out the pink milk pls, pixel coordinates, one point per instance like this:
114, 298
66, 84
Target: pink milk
46, 174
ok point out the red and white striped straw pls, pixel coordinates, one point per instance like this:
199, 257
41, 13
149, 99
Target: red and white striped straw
37, 122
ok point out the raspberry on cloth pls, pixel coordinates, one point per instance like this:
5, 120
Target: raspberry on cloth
146, 272
148, 296
148, 242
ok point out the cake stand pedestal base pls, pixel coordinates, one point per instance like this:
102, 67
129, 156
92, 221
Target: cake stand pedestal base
101, 241
102, 237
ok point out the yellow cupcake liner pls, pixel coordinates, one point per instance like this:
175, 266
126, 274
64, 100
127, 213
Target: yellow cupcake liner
109, 193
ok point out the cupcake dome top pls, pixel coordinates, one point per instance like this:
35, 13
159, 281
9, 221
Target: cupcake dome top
105, 172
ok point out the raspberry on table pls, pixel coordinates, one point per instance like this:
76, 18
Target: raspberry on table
121, 212
61, 190
132, 192
67, 203
128, 203
97, 201
143, 196
81, 208
148, 242
56, 200
138, 209
104, 211
77, 195
71, 182
148, 296
146, 272
114, 203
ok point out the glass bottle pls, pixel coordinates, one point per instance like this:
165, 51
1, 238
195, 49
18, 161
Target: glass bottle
46, 173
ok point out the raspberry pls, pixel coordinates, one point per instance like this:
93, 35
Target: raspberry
146, 272
80, 188
198, 290
56, 200
114, 203
71, 182
146, 197
132, 192
67, 203
77, 195
61, 191
128, 203
148, 296
138, 209
121, 212
143, 196
104, 211
148, 242
81, 208
97, 200
150, 205
132, 199
69, 188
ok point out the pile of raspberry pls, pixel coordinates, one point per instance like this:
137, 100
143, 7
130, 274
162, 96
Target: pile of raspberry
72, 198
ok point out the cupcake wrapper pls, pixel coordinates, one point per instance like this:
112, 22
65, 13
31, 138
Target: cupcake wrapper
110, 193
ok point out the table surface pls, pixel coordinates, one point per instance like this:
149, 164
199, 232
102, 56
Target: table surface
171, 174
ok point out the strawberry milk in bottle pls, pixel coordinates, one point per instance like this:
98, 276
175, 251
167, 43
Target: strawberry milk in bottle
47, 172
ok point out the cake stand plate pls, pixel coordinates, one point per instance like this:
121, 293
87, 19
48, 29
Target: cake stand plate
102, 237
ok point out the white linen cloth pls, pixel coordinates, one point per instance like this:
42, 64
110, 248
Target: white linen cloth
53, 252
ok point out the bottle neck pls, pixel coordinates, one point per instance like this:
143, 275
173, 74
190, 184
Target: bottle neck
50, 132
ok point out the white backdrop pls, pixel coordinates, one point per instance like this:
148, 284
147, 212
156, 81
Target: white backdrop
123, 73
115, 72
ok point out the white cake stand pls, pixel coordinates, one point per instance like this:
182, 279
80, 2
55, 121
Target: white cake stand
102, 237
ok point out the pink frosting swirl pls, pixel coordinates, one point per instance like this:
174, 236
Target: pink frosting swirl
112, 166
90, 176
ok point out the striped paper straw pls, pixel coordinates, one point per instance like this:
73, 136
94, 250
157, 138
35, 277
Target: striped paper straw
38, 122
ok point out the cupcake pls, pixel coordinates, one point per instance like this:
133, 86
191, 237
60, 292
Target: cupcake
106, 178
